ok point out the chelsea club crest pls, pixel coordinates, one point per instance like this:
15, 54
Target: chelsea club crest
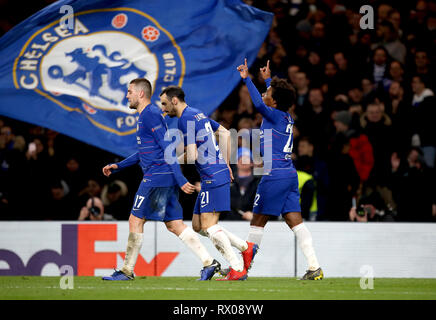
87, 69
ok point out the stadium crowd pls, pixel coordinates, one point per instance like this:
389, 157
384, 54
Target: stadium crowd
364, 139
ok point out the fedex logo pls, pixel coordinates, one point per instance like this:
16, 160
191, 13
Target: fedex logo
78, 251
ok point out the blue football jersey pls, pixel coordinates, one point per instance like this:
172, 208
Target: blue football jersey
151, 143
199, 129
276, 138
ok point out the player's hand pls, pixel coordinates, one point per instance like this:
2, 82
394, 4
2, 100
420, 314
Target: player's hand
197, 186
247, 215
107, 170
231, 174
243, 69
265, 71
188, 188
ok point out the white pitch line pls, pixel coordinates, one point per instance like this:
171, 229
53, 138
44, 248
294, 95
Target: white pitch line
367, 292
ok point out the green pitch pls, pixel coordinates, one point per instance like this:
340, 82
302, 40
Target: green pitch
187, 288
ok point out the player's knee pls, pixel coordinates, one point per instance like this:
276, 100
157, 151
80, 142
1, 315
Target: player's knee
171, 228
293, 219
136, 224
259, 220
176, 226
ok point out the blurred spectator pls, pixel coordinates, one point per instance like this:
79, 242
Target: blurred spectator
334, 82
413, 187
92, 188
302, 88
314, 68
355, 96
378, 70
371, 207
369, 91
343, 180
345, 71
292, 74
94, 211
226, 117
8, 137
394, 17
243, 188
13, 171
74, 176
423, 68
39, 174
60, 205
360, 149
399, 111
279, 61
114, 198
318, 40
389, 39
396, 72
377, 126
360, 52
422, 119
307, 161
315, 121
383, 12
308, 200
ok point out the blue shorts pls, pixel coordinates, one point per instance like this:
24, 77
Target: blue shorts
157, 203
276, 197
213, 199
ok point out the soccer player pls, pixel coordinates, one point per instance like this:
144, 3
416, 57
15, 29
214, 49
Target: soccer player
277, 193
201, 148
157, 195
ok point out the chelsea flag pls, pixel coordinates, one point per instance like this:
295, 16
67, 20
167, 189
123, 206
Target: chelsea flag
70, 71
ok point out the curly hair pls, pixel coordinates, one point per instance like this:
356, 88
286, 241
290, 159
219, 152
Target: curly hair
283, 93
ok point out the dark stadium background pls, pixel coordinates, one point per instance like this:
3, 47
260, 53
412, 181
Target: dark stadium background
338, 70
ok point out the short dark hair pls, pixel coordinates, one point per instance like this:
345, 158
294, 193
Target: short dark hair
113, 187
174, 91
306, 139
381, 48
421, 78
144, 85
388, 25
283, 93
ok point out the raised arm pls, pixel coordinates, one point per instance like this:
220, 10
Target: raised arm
265, 72
264, 110
115, 167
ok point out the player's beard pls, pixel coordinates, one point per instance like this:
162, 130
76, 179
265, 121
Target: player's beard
172, 113
133, 105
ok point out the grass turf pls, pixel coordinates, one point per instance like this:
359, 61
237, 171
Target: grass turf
187, 288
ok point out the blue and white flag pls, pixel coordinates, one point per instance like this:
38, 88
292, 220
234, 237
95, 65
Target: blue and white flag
70, 73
